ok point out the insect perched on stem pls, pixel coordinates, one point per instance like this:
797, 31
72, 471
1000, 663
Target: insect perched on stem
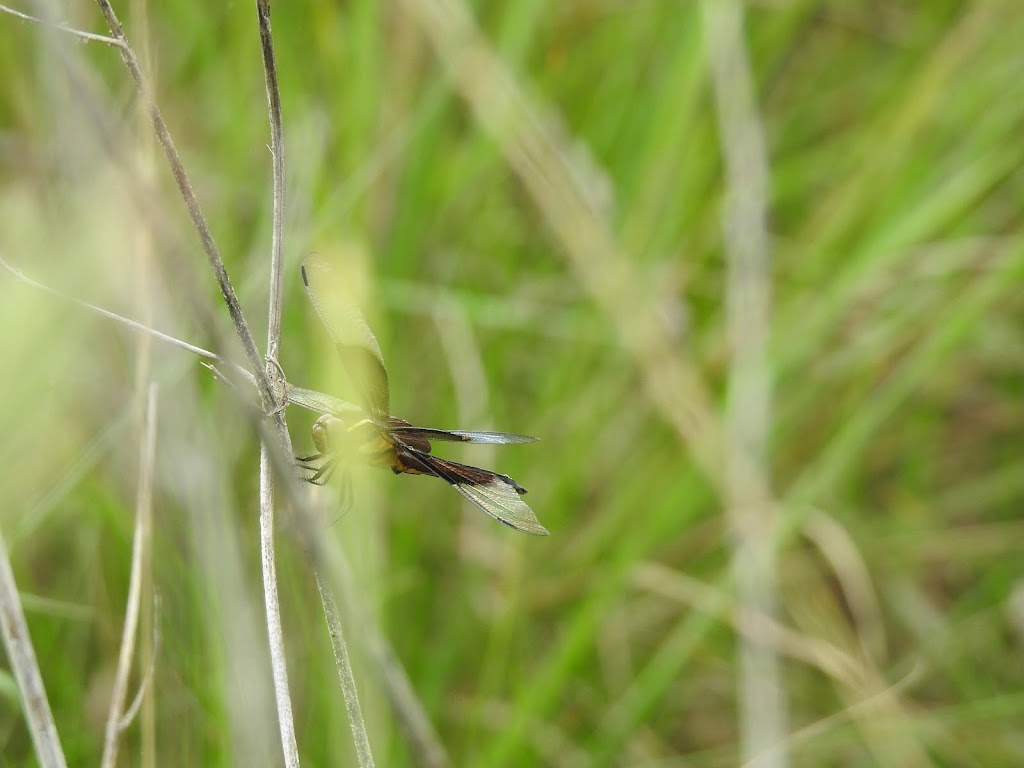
369, 434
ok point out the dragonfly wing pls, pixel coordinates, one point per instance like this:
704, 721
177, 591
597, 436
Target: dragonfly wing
357, 346
404, 431
321, 402
504, 505
497, 495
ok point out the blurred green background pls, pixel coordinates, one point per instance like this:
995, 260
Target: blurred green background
895, 426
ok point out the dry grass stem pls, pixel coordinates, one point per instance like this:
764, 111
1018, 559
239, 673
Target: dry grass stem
22, 658
413, 720
345, 677
763, 708
133, 324
82, 35
147, 679
191, 203
140, 554
275, 631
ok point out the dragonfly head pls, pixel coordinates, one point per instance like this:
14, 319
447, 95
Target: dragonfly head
359, 440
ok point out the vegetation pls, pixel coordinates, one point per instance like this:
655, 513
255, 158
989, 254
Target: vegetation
895, 424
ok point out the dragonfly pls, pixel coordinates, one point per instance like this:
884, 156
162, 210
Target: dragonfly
367, 433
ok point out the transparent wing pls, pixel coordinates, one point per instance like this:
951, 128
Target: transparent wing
497, 495
503, 505
357, 346
321, 402
460, 436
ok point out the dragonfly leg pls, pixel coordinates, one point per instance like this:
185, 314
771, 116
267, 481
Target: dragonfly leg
321, 475
320, 464
345, 502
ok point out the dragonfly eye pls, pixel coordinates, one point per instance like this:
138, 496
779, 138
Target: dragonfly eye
322, 429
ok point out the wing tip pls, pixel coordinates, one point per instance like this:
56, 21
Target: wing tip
532, 527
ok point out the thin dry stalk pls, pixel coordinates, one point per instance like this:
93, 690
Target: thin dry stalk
268, 397
347, 679
762, 699
258, 375
133, 324
412, 718
144, 687
425, 745
140, 553
82, 35
145, 700
345, 676
192, 204
277, 157
275, 630
22, 657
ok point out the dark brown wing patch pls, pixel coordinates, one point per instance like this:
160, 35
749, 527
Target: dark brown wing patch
497, 495
403, 432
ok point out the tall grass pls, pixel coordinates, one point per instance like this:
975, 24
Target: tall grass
894, 432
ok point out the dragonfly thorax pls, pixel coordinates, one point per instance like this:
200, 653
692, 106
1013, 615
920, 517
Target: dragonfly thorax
360, 441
